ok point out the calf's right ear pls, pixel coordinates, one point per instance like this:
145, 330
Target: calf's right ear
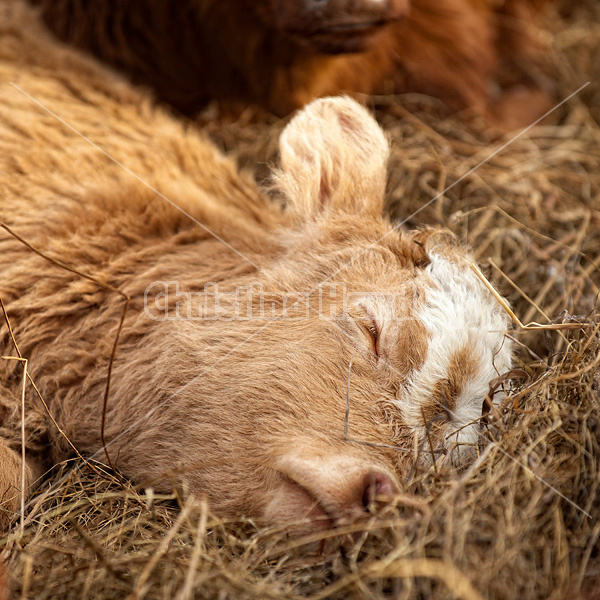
334, 159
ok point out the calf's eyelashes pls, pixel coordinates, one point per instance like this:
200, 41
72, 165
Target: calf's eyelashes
368, 325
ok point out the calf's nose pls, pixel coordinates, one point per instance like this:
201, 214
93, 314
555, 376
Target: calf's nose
378, 488
332, 489
390, 9
375, 9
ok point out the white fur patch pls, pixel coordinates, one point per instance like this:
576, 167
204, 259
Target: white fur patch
458, 312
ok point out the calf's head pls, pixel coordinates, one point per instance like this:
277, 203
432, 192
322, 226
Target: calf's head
356, 323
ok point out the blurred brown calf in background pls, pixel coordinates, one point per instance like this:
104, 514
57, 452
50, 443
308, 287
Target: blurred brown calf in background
279, 55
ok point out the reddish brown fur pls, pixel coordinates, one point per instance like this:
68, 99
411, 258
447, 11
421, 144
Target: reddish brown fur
236, 52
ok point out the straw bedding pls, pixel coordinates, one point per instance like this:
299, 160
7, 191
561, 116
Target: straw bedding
522, 521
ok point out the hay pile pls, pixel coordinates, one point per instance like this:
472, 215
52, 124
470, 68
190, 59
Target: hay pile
523, 521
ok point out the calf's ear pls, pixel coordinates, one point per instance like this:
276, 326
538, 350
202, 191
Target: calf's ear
333, 159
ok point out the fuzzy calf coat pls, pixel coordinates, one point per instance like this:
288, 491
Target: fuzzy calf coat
3, 583
245, 408
279, 54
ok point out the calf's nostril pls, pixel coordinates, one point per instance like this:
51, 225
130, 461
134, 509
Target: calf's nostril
377, 488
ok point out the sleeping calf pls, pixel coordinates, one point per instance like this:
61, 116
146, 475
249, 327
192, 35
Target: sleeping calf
250, 329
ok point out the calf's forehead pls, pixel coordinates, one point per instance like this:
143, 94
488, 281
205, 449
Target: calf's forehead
444, 316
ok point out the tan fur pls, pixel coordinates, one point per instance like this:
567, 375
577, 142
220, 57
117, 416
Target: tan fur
3, 583
10, 474
251, 418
